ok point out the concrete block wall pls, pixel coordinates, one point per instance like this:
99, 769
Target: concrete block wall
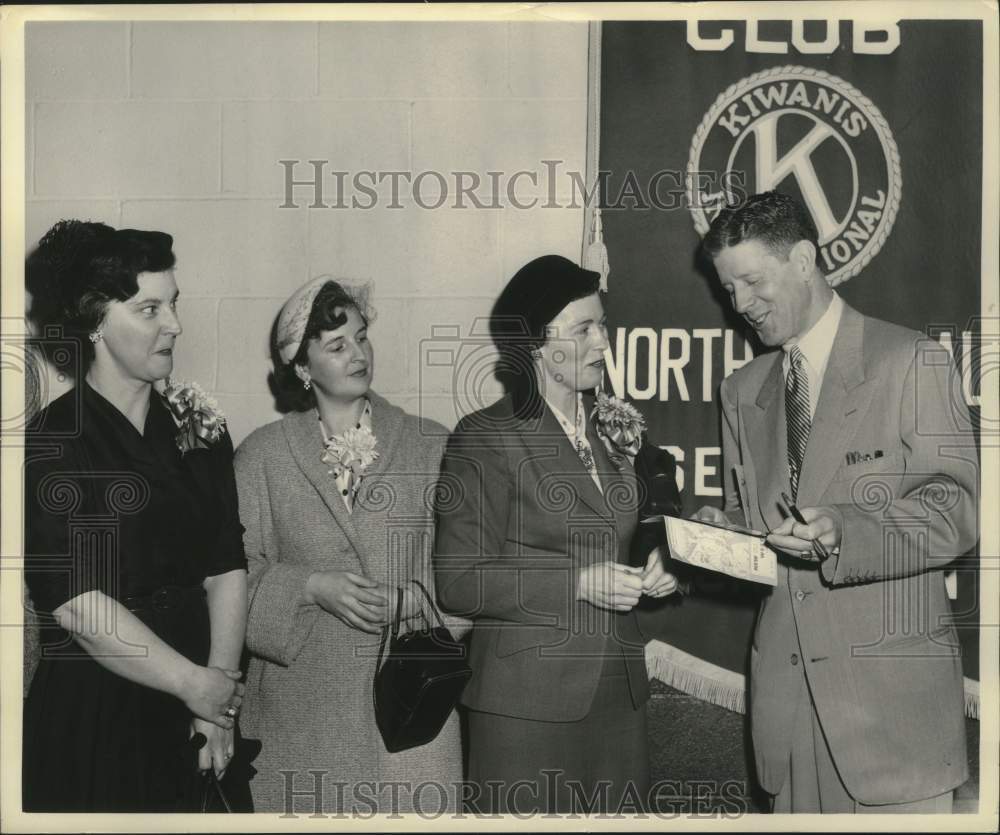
180, 126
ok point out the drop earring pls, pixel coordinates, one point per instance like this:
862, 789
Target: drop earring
307, 384
96, 336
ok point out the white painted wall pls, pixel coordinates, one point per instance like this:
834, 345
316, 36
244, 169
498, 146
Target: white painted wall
180, 126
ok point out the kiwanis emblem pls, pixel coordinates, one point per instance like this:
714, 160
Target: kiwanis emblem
811, 135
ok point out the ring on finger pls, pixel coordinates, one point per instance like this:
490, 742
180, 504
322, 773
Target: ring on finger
231, 711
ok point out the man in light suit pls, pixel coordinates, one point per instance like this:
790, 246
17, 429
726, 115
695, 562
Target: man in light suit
856, 697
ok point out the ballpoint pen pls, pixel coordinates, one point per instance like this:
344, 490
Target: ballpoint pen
798, 517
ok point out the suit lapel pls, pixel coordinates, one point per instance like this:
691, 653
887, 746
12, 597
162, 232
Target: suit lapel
568, 464
306, 443
842, 404
768, 442
387, 425
621, 493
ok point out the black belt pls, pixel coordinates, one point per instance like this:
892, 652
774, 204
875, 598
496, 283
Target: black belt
168, 597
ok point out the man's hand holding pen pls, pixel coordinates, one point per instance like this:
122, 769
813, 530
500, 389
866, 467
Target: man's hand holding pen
809, 533
812, 533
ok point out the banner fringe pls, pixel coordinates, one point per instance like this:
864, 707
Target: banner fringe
695, 677
722, 687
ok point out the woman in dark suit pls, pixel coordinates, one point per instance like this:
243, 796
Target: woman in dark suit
532, 543
133, 544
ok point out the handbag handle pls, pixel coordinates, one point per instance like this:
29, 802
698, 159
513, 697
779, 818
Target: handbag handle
396, 619
430, 601
218, 788
385, 629
211, 781
399, 612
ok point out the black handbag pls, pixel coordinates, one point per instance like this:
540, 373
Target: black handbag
418, 686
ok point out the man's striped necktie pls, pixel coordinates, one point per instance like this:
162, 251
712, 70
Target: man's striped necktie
797, 414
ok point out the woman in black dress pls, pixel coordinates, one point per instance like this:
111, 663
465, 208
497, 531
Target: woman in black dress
133, 552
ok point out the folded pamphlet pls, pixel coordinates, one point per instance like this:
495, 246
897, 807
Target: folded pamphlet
745, 556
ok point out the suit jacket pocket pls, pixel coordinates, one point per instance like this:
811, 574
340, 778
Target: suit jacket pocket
944, 638
892, 464
513, 638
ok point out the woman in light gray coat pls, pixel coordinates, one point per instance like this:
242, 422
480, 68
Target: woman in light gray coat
337, 501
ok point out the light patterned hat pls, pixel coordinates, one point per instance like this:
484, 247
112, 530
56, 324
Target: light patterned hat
294, 315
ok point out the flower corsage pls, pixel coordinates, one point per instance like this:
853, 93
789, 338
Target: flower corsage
352, 450
620, 426
199, 420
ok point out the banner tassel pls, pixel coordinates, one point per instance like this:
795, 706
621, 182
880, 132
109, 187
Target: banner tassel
595, 257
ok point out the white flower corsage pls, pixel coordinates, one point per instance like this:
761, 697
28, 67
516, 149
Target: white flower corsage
352, 450
619, 424
199, 420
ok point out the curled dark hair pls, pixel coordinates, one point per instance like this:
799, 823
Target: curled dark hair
774, 219
328, 312
79, 267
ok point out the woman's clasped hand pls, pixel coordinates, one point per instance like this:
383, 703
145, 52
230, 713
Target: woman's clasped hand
612, 585
214, 695
356, 600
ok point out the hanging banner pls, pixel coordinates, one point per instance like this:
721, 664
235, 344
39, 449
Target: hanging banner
877, 128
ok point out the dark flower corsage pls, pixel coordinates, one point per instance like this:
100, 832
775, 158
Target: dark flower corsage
620, 426
199, 420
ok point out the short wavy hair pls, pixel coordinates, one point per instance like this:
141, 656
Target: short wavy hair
80, 267
774, 219
328, 312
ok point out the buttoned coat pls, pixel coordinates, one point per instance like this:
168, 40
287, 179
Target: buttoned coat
310, 675
521, 520
890, 449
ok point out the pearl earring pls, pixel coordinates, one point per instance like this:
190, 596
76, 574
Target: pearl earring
307, 384
96, 336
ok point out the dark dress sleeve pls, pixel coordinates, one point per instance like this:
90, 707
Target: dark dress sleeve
61, 561
228, 554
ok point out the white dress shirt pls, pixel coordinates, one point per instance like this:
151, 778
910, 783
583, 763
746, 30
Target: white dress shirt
816, 345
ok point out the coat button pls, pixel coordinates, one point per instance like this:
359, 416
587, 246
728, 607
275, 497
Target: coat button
800, 595
795, 658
